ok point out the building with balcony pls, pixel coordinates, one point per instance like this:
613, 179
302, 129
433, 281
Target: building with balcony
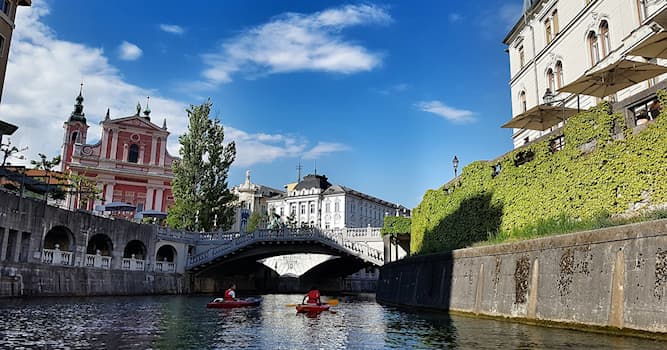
315, 202
556, 42
130, 164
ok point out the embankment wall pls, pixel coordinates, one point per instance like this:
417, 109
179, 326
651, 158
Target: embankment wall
607, 279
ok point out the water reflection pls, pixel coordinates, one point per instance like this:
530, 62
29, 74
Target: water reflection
183, 323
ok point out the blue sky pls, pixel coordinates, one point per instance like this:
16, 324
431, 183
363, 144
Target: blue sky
381, 95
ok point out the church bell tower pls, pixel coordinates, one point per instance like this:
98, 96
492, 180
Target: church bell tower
76, 129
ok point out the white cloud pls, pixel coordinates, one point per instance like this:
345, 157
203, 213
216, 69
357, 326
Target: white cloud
172, 28
297, 42
128, 51
455, 17
43, 79
394, 89
449, 113
323, 148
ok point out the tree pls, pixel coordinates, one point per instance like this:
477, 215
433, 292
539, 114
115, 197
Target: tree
47, 165
43, 164
255, 221
84, 189
8, 151
200, 186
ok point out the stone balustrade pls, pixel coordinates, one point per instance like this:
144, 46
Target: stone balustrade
165, 266
133, 264
57, 257
98, 261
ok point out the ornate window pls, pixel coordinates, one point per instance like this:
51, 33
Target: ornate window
604, 37
554, 22
75, 137
548, 30
559, 74
133, 156
522, 101
593, 47
551, 80
522, 57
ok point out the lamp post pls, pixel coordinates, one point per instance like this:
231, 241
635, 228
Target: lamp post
548, 97
455, 163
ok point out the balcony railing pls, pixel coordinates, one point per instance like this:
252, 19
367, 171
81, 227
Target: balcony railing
98, 261
165, 266
132, 264
57, 257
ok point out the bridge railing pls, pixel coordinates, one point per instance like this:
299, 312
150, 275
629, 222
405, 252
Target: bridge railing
335, 237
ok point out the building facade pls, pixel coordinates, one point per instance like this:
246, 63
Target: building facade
130, 164
556, 42
251, 198
315, 202
7, 15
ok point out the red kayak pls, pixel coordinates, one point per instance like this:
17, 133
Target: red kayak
312, 308
218, 303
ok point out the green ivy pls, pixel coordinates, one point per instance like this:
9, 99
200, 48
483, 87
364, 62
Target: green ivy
395, 225
626, 169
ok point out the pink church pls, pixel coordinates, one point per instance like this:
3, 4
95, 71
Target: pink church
130, 164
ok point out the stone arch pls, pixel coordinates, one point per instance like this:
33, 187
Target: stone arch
60, 236
166, 253
136, 248
100, 242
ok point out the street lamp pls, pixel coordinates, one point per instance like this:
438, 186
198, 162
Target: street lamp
455, 163
548, 97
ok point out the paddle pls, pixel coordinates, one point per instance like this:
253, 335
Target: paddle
332, 302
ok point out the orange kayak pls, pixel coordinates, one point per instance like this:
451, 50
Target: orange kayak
312, 308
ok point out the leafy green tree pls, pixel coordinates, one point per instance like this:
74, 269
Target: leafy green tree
254, 221
43, 164
200, 189
84, 189
47, 165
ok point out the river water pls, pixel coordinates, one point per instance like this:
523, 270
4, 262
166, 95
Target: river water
183, 322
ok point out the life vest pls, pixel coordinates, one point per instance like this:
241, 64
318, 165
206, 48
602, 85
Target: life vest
229, 294
313, 296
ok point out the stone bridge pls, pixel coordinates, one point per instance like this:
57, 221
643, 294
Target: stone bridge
364, 244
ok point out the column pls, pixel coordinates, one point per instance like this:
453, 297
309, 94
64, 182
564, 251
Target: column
163, 147
105, 141
158, 199
125, 148
114, 144
5, 240
149, 198
17, 247
142, 150
153, 150
108, 197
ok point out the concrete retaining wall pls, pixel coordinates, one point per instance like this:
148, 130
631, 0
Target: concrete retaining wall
45, 280
609, 278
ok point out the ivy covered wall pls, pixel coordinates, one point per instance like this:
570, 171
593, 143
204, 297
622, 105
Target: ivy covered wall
604, 168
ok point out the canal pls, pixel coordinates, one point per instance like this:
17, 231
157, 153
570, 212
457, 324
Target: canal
183, 322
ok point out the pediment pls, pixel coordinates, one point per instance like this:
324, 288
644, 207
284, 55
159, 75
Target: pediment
135, 122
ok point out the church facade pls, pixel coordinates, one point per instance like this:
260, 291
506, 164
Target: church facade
129, 164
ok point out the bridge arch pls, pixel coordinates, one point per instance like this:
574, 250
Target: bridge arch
60, 237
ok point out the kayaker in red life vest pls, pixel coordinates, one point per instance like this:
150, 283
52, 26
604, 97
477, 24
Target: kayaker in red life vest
230, 294
313, 296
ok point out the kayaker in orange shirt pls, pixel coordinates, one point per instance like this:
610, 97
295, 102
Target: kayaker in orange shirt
230, 293
313, 297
